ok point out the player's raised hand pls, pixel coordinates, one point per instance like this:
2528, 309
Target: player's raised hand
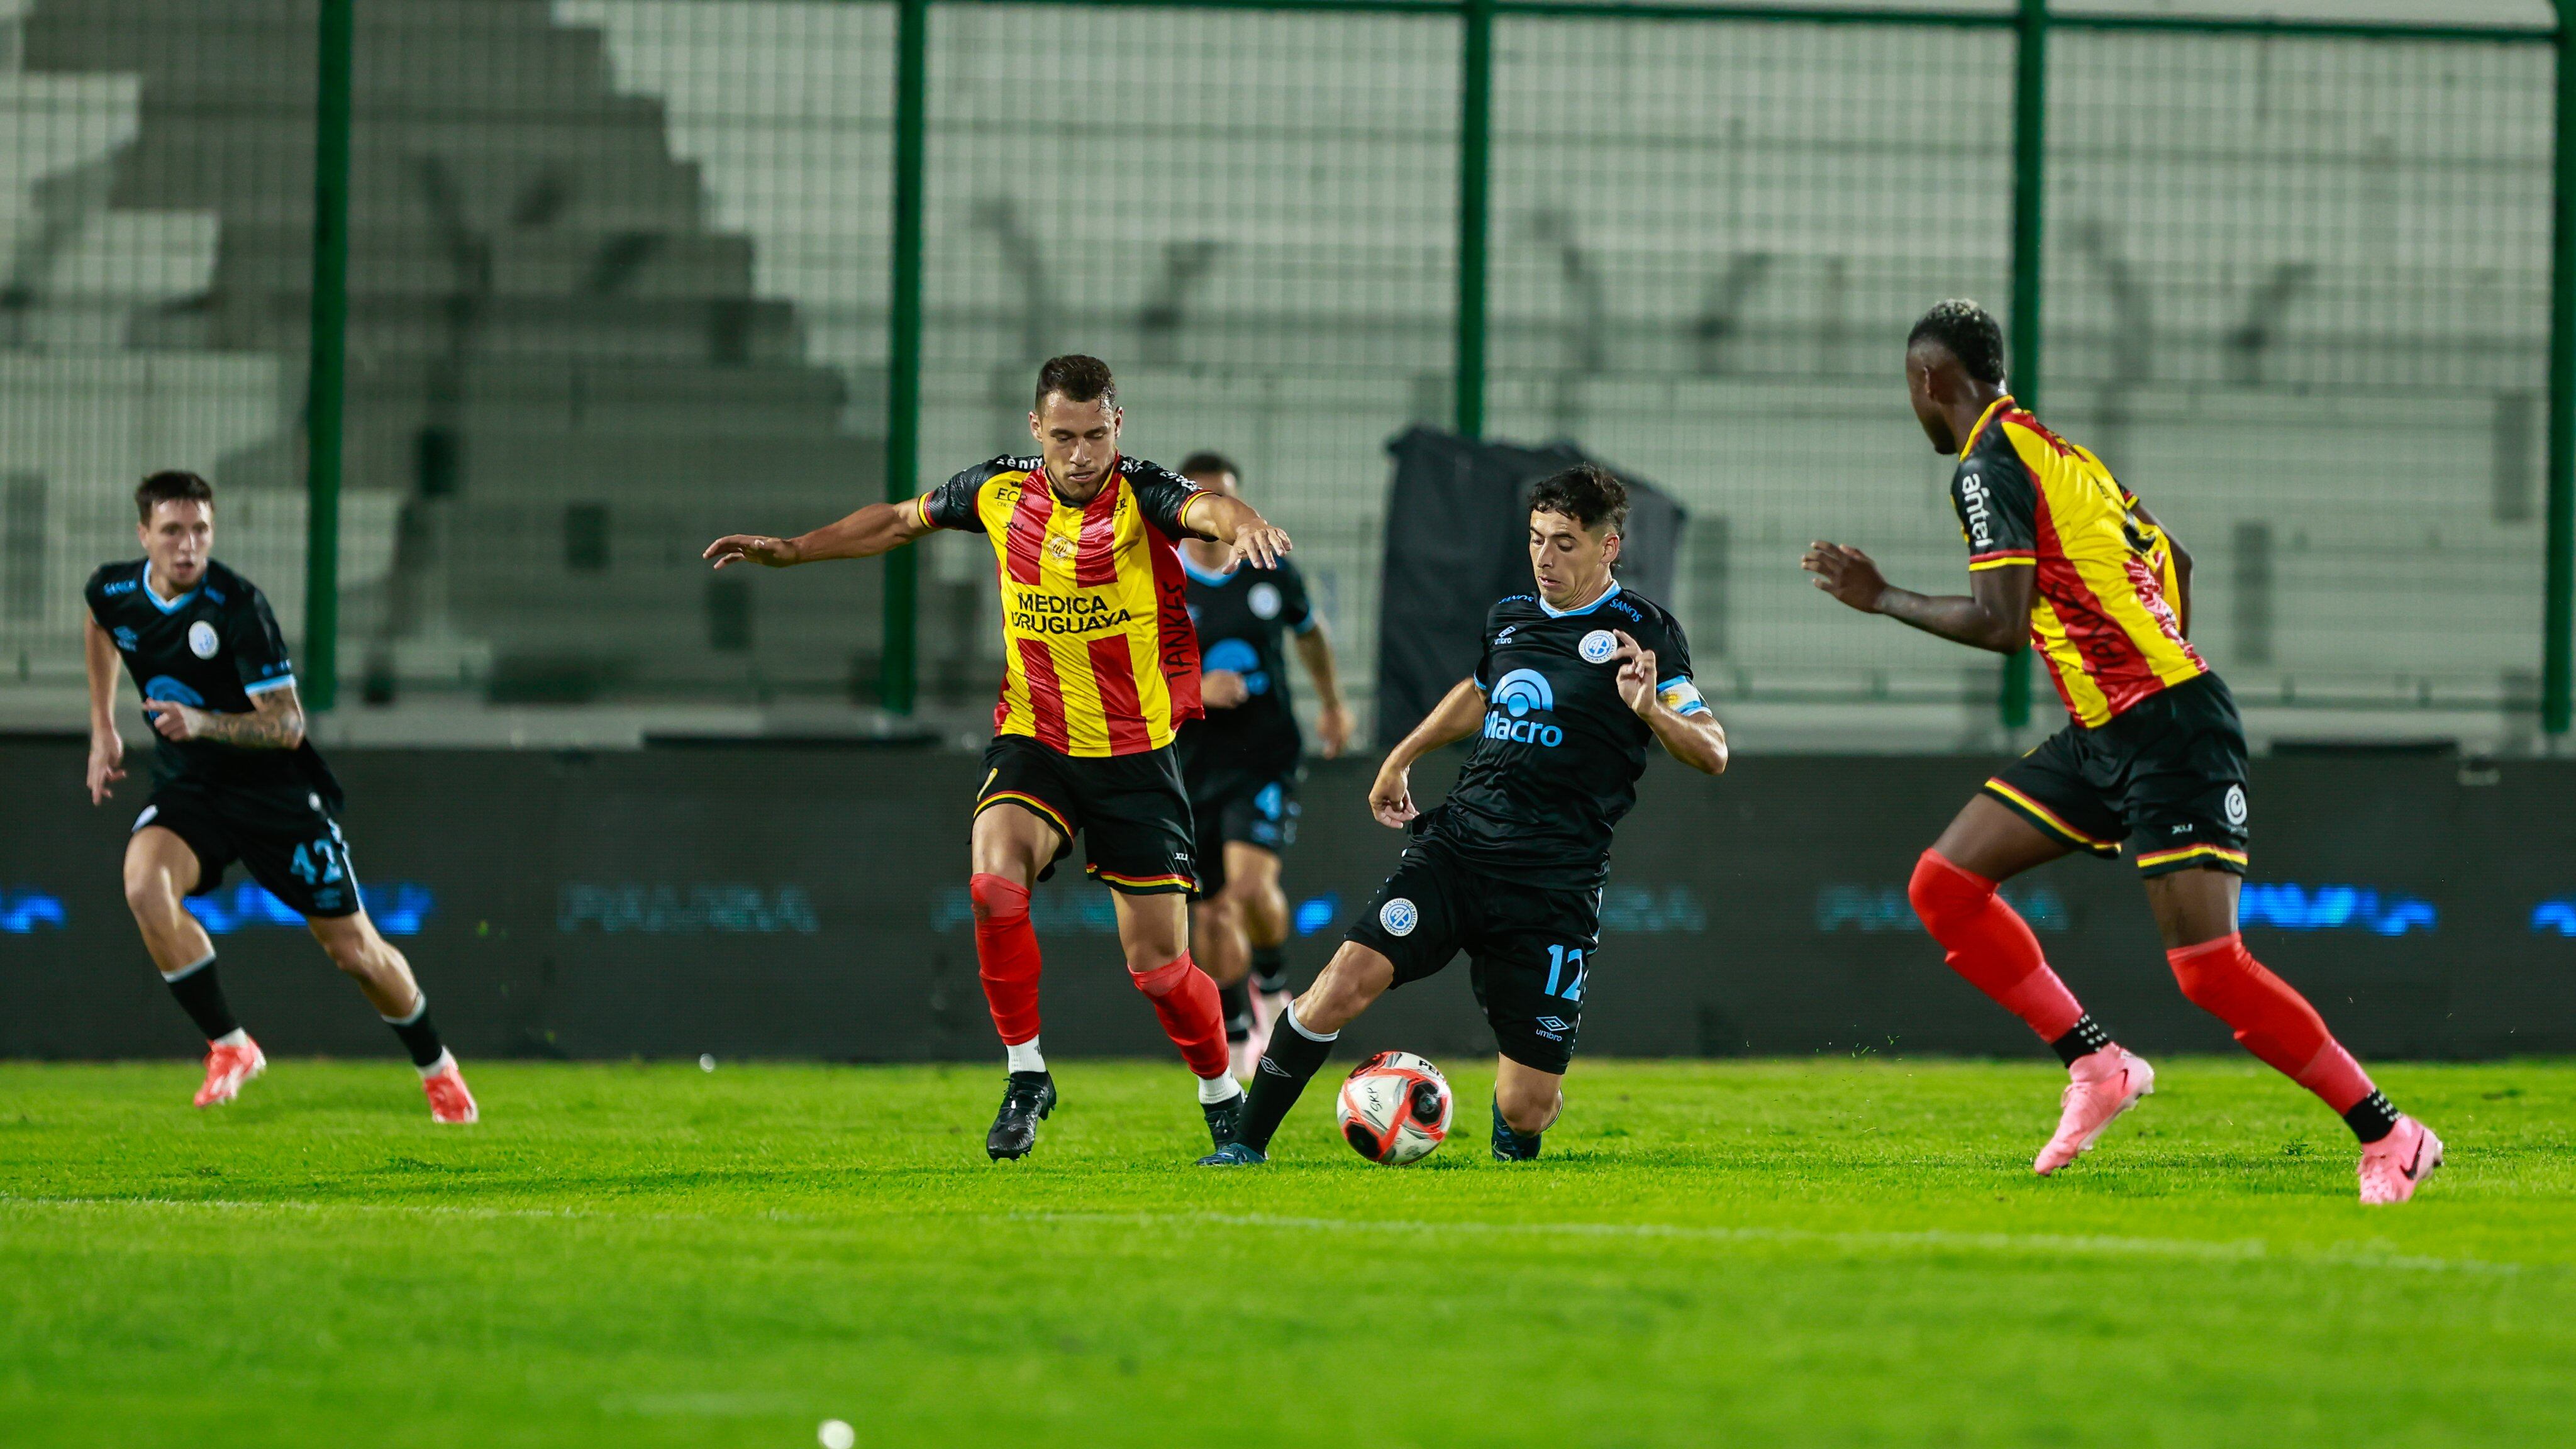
106, 764
759, 548
1391, 797
1636, 672
1846, 573
1261, 545
174, 720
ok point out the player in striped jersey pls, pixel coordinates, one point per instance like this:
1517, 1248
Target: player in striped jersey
1100, 668
2060, 553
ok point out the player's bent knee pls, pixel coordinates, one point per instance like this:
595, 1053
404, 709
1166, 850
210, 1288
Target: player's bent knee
1941, 891
997, 900
1355, 977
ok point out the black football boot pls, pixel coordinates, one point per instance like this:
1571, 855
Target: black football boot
1026, 1097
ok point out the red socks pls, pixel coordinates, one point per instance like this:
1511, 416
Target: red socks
2272, 1020
1991, 945
1006, 955
1186, 999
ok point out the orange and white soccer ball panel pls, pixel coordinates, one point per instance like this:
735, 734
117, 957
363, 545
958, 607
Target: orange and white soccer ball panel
1395, 1108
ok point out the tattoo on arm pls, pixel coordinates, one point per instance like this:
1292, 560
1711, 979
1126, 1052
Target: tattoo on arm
276, 722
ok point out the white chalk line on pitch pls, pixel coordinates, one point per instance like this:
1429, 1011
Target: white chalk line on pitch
2242, 1250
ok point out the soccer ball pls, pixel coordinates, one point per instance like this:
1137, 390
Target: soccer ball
1395, 1108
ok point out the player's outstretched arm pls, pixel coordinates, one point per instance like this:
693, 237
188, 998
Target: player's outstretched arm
1695, 739
106, 747
1459, 714
1332, 717
2182, 567
875, 529
1996, 616
1232, 521
275, 721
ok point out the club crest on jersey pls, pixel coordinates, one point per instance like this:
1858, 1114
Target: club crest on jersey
201, 639
1516, 696
1399, 916
1264, 601
1598, 646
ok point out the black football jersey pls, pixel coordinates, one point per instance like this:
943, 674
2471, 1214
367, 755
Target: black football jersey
214, 647
1557, 764
1243, 617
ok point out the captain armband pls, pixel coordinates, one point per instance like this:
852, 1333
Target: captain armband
1681, 696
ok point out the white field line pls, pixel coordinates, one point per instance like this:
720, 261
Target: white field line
1937, 1240
1929, 1240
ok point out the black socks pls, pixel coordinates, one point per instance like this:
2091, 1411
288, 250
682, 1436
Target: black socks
2082, 1039
1269, 973
1292, 1059
202, 997
2371, 1118
1234, 1003
419, 1036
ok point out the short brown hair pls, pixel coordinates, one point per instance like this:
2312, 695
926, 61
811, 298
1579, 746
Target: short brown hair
1204, 464
1586, 493
171, 486
1079, 378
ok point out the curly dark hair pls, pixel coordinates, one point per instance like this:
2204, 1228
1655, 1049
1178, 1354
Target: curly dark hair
172, 486
1586, 493
1969, 332
1078, 378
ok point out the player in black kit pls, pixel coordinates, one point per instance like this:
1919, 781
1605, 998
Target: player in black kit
1240, 763
1577, 680
233, 778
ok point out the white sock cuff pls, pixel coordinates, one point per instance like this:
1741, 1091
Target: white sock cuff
1025, 1056
1220, 1088
191, 969
234, 1037
1299, 1027
419, 1008
446, 1059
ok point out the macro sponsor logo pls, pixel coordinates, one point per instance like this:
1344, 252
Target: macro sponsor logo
663, 910
24, 908
1090, 913
2288, 907
1035, 611
1973, 511
399, 909
1518, 694
1871, 909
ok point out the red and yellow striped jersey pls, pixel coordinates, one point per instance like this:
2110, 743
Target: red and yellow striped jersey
2100, 613
1099, 657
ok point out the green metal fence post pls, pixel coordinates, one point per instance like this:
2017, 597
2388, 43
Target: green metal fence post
898, 654
325, 375
2030, 161
2558, 612
1475, 160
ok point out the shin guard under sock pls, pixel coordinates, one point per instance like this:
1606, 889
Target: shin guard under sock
1287, 1064
1989, 943
2274, 1022
1236, 1002
1006, 955
1269, 972
1185, 998
201, 995
419, 1035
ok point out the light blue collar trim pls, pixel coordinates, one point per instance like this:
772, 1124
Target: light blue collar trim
1554, 612
1194, 571
171, 607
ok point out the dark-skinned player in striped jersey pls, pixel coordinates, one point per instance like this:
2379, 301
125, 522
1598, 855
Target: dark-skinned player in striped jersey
2062, 555
1579, 679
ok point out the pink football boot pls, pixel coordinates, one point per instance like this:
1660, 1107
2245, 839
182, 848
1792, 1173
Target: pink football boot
2102, 1085
2397, 1164
227, 1067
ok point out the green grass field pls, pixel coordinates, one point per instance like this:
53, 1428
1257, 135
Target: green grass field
1805, 1253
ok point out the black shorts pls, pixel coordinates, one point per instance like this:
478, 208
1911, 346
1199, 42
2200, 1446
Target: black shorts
1130, 810
1529, 949
286, 839
2170, 770
1240, 806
